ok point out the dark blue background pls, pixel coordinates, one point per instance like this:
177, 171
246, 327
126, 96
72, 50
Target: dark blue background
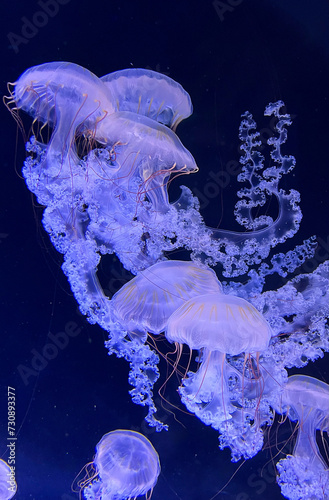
256, 52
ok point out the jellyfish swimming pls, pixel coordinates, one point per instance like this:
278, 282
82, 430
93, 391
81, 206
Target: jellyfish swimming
305, 474
103, 179
149, 93
8, 486
127, 466
221, 325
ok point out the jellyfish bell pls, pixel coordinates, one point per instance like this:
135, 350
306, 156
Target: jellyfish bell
40, 88
148, 151
8, 486
147, 301
219, 322
149, 93
305, 474
127, 465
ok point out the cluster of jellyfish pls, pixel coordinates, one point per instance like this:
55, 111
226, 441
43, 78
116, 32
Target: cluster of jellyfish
102, 177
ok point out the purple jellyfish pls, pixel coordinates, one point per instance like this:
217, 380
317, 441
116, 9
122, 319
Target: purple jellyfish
304, 474
221, 325
65, 96
146, 302
127, 465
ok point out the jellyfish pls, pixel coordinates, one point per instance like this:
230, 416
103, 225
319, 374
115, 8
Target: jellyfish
127, 466
220, 325
149, 93
8, 486
147, 153
146, 302
64, 96
304, 474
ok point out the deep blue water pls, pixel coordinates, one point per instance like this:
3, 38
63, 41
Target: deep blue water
255, 52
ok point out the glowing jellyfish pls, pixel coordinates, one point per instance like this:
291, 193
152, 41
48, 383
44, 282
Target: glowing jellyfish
146, 151
8, 486
219, 325
304, 474
144, 99
127, 465
65, 96
146, 302
150, 94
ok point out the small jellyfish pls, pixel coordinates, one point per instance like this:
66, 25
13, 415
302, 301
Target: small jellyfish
127, 465
217, 325
8, 486
146, 302
304, 474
